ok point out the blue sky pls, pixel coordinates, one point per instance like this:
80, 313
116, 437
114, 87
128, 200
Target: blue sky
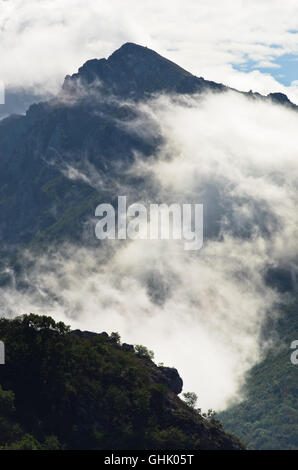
284, 69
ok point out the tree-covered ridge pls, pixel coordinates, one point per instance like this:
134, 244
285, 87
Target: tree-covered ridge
62, 389
268, 418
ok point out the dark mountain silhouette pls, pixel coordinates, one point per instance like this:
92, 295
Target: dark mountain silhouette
80, 390
133, 71
84, 127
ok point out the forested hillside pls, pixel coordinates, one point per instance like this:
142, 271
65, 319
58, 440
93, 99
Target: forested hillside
62, 389
268, 418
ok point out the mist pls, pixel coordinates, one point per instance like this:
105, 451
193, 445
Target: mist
201, 312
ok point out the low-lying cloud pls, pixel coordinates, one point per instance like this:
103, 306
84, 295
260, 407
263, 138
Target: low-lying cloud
201, 312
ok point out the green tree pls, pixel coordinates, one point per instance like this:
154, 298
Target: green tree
115, 337
144, 352
190, 399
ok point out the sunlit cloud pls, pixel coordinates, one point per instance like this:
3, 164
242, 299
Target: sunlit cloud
42, 41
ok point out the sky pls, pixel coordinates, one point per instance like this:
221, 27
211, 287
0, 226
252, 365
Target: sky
243, 44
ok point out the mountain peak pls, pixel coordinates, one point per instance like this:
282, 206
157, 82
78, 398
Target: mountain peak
134, 70
131, 47
132, 50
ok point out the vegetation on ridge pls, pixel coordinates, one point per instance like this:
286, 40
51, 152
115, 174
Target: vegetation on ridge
62, 389
268, 417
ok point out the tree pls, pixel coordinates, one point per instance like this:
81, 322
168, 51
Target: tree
144, 352
115, 337
190, 399
42, 322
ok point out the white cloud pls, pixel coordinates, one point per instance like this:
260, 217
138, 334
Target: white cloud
43, 40
200, 312
263, 64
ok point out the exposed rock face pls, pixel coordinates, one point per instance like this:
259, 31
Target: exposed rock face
168, 376
172, 379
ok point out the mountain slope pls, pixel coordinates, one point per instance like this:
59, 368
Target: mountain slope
82, 129
81, 390
53, 160
268, 417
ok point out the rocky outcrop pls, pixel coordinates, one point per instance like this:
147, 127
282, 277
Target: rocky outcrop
167, 376
172, 379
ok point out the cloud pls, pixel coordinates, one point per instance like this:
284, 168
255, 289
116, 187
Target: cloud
42, 41
201, 312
